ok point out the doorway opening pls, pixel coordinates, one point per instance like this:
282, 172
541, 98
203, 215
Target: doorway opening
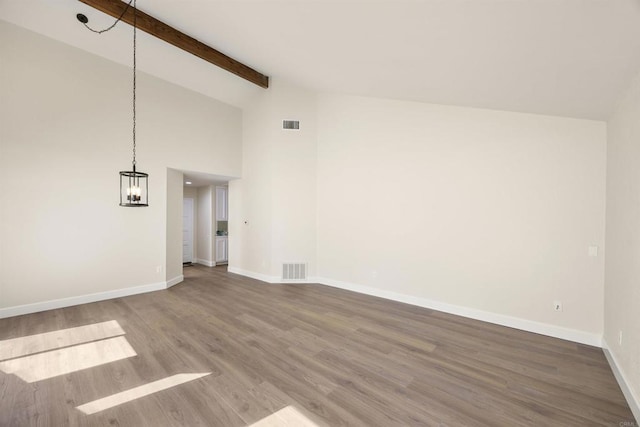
206, 198
188, 227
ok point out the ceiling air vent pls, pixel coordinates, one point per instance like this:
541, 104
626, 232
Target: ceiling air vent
291, 124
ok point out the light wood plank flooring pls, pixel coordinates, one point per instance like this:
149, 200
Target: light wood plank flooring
339, 357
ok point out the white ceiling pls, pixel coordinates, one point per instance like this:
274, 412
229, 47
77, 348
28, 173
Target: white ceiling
561, 57
199, 179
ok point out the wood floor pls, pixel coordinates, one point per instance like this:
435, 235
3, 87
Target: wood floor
340, 358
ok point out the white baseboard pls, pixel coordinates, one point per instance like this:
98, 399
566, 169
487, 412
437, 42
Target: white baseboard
206, 262
82, 299
472, 313
632, 399
174, 281
266, 278
253, 275
486, 316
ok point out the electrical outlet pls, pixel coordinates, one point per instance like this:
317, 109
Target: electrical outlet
557, 305
159, 269
374, 274
620, 338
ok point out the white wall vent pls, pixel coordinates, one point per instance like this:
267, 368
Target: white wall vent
291, 124
294, 271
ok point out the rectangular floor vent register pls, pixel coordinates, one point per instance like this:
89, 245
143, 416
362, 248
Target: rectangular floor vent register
294, 271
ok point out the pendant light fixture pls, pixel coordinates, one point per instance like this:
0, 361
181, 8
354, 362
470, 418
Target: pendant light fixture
134, 185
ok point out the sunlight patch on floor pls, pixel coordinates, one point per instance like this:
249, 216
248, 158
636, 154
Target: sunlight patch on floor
286, 417
137, 392
42, 356
23, 346
50, 364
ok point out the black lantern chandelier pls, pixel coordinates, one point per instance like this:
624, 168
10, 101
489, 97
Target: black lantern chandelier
134, 185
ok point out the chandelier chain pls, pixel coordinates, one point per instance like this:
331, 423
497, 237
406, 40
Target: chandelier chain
134, 82
134, 185
135, 15
114, 24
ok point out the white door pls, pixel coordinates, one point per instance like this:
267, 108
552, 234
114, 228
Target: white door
187, 230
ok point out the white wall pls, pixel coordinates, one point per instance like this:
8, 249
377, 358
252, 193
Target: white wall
483, 212
174, 225
276, 196
65, 123
205, 224
622, 289
192, 193
486, 210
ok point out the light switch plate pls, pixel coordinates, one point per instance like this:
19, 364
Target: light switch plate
593, 251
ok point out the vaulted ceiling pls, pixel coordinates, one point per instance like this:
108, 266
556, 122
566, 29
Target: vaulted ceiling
562, 57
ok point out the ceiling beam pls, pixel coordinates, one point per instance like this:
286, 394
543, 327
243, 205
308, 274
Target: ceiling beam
159, 29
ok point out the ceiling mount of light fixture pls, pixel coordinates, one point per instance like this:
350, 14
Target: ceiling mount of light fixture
134, 185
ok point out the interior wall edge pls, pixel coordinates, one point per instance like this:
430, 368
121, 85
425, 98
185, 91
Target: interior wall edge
568, 334
175, 281
206, 262
85, 299
632, 399
271, 279
574, 335
258, 276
